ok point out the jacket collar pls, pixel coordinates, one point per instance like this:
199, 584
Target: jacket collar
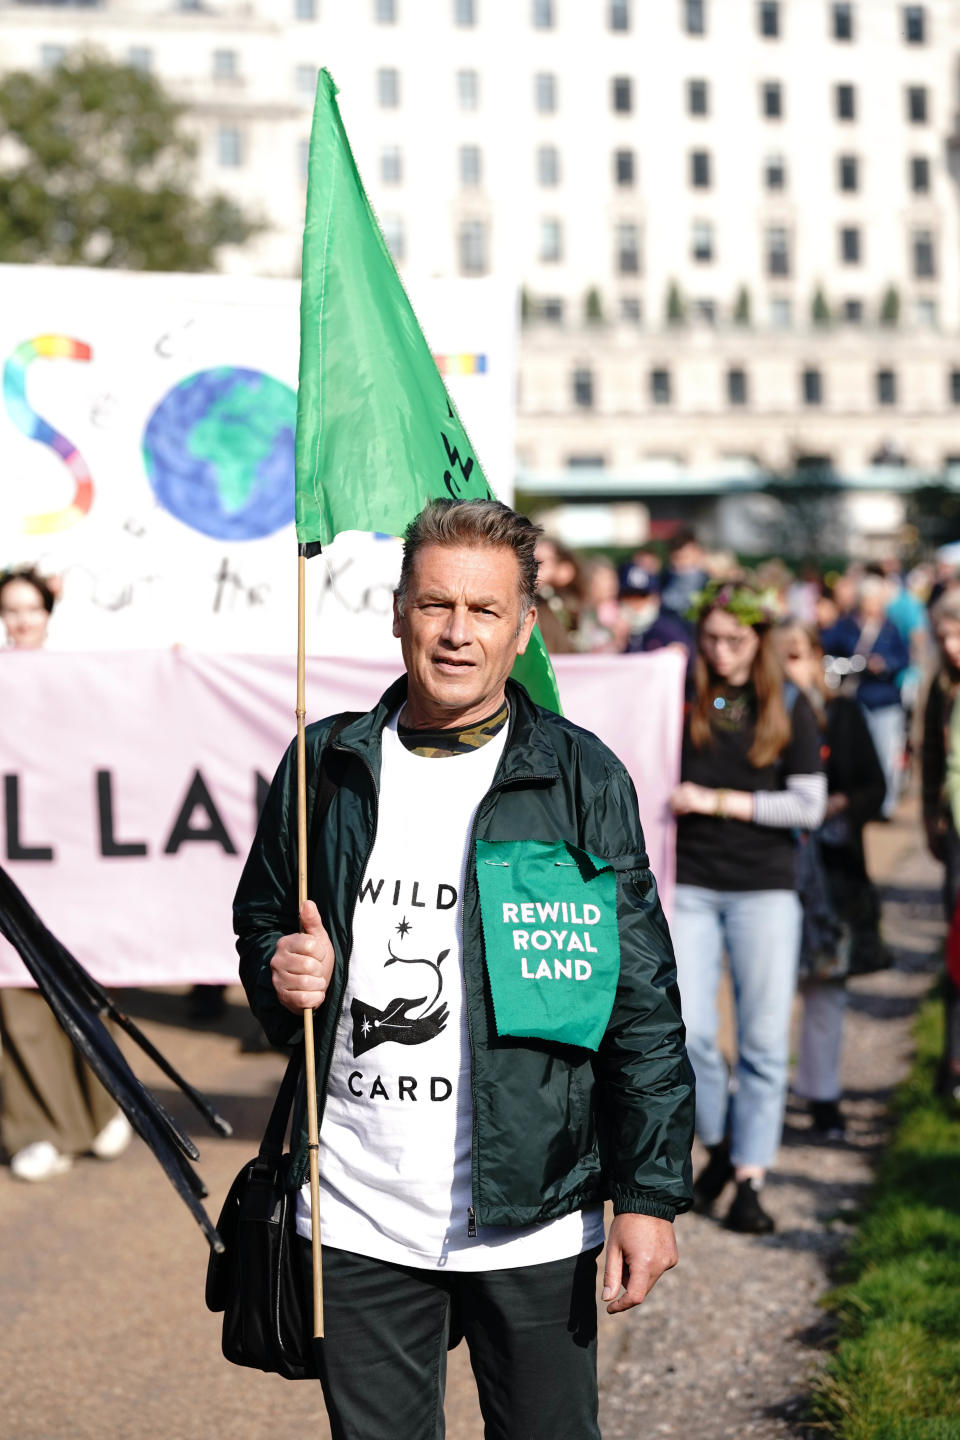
529, 752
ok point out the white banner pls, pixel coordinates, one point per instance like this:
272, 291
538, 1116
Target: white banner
147, 428
131, 786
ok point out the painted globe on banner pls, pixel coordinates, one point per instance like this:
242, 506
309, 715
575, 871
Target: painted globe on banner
219, 453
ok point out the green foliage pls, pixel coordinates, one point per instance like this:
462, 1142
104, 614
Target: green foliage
99, 172
593, 307
741, 307
890, 306
819, 309
676, 305
895, 1374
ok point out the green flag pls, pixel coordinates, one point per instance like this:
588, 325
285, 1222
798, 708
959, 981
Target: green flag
377, 434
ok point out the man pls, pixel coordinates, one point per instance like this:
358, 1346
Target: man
467, 1141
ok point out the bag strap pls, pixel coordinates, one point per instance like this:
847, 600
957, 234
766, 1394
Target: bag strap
271, 1146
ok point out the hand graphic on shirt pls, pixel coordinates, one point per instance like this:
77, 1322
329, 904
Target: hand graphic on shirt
371, 1027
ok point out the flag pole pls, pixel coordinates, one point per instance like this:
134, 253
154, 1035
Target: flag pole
313, 1129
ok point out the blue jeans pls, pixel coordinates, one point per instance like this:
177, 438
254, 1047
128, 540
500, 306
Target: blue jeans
887, 728
760, 930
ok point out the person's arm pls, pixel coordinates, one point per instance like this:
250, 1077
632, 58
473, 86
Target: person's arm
644, 1080
801, 805
859, 781
933, 769
952, 784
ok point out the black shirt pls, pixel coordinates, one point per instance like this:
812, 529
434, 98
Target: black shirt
738, 854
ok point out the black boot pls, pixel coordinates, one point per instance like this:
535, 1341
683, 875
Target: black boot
746, 1214
713, 1178
827, 1117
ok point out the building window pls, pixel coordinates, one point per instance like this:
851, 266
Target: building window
917, 104
848, 173
51, 56
303, 160
919, 174
627, 243
464, 12
771, 100
778, 250
914, 24
694, 16
391, 165
140, 57
545, 92
660, 387
924, 267
551, 242
850, 245
886, 387
583, 388
705, 311
229, 147
621, 91
736, 386
842, 22
701, 241
955, 387
624, 167
543, 18
618, 15
305, 79
700, 169
473, 247
768, 19
468, 90
385, 12
395, 236
630, 310
775, 172
548, 165
925, 314
470, 164
812, 387
845, 100
853, 312
781, 313
224, 64
551, 309
698, 97
388, 89
302, 9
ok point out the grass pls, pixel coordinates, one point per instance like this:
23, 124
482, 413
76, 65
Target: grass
895, 1371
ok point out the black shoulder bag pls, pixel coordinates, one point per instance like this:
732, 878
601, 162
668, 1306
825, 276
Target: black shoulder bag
258, 1281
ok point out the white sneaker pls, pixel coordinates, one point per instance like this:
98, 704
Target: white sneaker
113, 1138
39, 1161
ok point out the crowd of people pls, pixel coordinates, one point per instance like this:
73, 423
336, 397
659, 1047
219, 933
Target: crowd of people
808, 698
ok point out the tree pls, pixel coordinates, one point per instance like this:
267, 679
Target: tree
676, 306
100, 172
741, 308
593, 307
819, 309
890, 306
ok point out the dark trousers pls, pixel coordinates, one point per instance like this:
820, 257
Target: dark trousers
531, 1333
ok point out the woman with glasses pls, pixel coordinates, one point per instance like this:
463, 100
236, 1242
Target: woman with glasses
751, 777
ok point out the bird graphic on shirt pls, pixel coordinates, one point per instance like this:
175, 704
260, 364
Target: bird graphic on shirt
372, 1027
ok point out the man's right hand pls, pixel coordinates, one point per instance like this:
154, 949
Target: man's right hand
302, 964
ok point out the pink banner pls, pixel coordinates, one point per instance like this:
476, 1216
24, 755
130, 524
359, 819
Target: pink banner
131, 785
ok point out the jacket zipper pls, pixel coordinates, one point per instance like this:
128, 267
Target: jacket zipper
471, 870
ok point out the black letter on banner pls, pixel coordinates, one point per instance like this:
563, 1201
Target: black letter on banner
109, 846
15, 850
198, 794
262, 791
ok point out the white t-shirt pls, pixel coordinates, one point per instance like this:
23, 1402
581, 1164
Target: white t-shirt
395, 1143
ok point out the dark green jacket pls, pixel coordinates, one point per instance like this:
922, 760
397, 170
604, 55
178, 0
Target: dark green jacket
554, 1127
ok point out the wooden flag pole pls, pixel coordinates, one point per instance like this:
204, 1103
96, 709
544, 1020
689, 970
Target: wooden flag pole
313, 1129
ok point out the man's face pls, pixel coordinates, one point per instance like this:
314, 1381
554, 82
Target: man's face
460, 632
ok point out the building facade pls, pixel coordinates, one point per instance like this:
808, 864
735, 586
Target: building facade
734, 223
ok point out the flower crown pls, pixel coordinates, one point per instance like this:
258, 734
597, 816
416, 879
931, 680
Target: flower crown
748, 606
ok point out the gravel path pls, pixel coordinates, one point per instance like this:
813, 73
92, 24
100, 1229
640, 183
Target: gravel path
103, 1333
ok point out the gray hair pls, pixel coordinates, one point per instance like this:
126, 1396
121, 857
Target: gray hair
473, 524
